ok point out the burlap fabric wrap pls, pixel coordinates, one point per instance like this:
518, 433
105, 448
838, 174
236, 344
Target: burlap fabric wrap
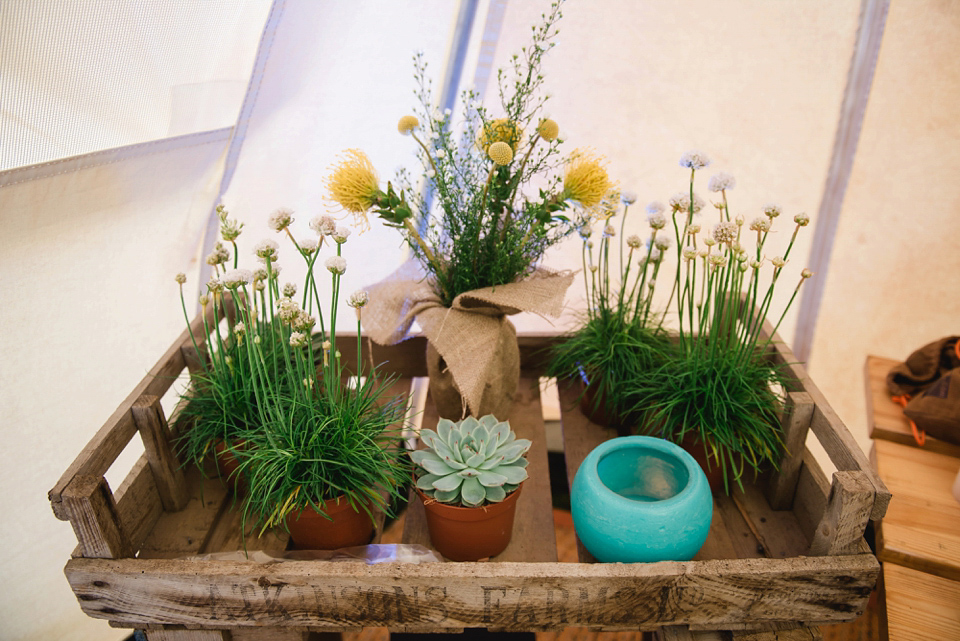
472, 356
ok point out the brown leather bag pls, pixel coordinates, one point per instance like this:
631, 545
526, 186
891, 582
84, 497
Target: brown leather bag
927, 384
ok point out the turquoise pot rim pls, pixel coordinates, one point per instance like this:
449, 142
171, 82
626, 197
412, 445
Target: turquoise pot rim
695, 475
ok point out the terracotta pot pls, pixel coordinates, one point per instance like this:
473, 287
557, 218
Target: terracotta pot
228, 465
712, 468
345, 528
470, 533
595, 409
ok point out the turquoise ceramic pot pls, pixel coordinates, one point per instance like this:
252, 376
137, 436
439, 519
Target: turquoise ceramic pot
641, 499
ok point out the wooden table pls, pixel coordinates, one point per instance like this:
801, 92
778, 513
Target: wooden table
918, 539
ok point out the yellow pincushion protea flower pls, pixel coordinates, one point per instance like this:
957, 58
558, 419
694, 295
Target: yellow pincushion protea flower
500, 153
586, 179
548, 129
354, 184
500, 130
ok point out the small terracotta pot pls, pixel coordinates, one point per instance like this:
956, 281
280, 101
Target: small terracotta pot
470, 533
595, 409
345, 528
228, 465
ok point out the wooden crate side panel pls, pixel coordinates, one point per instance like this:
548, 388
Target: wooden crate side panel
505, 595
810, 500
92, 511
138, 502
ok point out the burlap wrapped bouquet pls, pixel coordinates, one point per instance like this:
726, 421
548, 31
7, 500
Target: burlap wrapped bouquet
473, 360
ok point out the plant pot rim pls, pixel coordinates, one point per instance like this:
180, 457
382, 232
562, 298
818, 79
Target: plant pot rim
464, 510
695, 474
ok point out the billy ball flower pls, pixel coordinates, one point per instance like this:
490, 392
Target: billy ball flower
548, 129
358, 299
694, 160
407, 124
298, 339
802, 219
585, 179
353, 183
181, 278
336, 265
340, 235
323, 225
266, 249
236, 277
721, 182
500, 153
499, 130
280, 219
725, 232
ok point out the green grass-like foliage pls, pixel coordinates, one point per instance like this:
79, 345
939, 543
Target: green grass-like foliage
471, 462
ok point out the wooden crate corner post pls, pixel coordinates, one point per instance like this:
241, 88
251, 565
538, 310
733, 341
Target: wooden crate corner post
845, 518
155, 433
92, 511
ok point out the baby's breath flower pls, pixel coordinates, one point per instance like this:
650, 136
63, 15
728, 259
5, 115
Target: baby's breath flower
628, 197
441, 153
354, 183
500, 153
499, 130
181, 278
431, 173
341, 234
778, 261
771, 210
407, 124
657, 220
336, 264
633, 241
693, 229
694, 160
308, 246
358, 298
663, 243
760, 224
725, 232
548, 129
802, 219
323, 225
721, 182
289, 290
298, 339
204, 300
287, 310
266, 249
806, 273
281, 219
609, 231
585, 179
304, 322
689, 254
236, 277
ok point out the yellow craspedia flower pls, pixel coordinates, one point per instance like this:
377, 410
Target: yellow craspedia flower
586, 179
548, 129
500, 153
354, 183
500, 130
407, 124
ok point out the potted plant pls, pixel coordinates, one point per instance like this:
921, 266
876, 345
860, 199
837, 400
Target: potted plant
469, 478
717, 393
619, 335
321, 454
476, 258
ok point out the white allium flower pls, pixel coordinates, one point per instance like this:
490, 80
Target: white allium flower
743, 267
663, 243
802, 219
219, 255
280, 219
214, 286
694, 160
721, 182
326, 345
703, 253
309, 245
336, 264
585, 231
760, 224
304, 321
447, 112
236, 277
298, 339
681, 202
739, 220
756, 263
633, 241
709, 242
593, 268
693, 228
260, 273
204, 300
289, 290
609, 231
341, 234
589, 244
657, 220
770, 210
778, 261
718, 260
287, 310
256, 339
230, 229
266, 249
323, 225
239, 329
725, 232
689, 253
275, 271
628, 197
358, 298
258, 286
806, 273
181, 278
655, 207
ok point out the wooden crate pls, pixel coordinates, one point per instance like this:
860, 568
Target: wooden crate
783, 553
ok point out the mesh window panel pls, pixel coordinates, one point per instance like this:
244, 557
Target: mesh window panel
79, 77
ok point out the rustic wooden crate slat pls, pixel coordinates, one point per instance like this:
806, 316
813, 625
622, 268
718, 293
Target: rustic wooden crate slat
93, 514
845, 517
722, 592
155, 433
796, 423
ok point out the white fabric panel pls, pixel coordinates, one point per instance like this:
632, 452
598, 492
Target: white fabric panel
90, 302
893, 284
78, 77
339, 76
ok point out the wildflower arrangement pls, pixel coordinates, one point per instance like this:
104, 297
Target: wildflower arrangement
620, 336
488, 231
307, 437
716, 388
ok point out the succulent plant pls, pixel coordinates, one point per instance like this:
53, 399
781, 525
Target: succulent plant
471, 462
